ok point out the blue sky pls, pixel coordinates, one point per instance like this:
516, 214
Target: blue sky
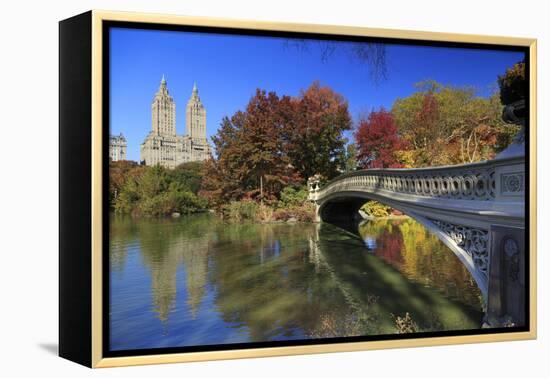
229, 68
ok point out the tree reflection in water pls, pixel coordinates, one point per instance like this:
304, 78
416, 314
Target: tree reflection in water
197, 280
413, 250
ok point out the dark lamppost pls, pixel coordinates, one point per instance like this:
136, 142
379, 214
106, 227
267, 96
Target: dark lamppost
513, 92
515, 113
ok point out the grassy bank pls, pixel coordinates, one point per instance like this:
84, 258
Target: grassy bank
247, 210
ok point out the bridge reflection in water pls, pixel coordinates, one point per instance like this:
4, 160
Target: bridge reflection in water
197, 281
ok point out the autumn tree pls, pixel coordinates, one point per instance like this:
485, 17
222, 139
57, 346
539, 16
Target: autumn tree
119, 173
378, 141
451, 125
313, 133
220, 183
265, 167
277, 141
251, 159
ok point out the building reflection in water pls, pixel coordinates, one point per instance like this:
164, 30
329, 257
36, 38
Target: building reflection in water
251, 282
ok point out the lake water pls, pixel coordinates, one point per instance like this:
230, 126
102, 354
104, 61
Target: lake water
197, 280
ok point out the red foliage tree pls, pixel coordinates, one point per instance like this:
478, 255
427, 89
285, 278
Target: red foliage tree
377, 141
426, 119
314, 131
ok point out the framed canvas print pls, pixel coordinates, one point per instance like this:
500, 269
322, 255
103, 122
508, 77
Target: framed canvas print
235, 189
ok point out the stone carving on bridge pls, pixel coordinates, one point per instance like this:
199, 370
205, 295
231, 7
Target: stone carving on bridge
475, 241
314, 183
511, 249
512, 183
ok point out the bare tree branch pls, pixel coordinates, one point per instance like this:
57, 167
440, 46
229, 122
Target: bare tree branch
372, 54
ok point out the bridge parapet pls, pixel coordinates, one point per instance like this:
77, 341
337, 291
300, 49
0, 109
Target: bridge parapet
502, 179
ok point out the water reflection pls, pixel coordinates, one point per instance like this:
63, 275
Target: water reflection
414, 251
199, 281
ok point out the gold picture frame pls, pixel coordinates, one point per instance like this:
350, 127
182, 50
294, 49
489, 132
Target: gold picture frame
92, 25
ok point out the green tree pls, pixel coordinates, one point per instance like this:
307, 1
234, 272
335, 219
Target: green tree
350, 159
129, 196
155, 191
189, 174
294, 196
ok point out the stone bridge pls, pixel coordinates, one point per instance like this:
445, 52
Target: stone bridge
477, 210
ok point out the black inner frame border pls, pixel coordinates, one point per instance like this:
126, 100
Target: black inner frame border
106, 27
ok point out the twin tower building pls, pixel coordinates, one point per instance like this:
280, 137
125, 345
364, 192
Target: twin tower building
162, 145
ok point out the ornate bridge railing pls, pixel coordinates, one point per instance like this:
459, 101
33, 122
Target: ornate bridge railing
485, 181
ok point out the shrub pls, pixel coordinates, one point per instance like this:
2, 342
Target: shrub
170, 202
189, 175
376, 209
303, 213
128, 197
264, 213
332, 325
291, 196
240, 210
155, 191
405, 324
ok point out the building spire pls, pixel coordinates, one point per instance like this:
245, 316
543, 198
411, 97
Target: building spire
195, 90
163, 88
